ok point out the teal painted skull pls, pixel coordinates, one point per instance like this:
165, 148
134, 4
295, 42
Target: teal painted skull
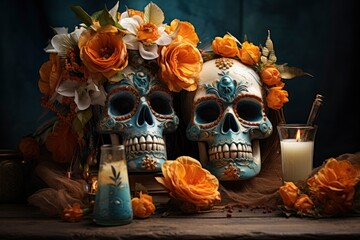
227, 119
139, 109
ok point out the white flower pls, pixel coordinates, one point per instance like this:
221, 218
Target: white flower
63, 41
147, 51
84, 94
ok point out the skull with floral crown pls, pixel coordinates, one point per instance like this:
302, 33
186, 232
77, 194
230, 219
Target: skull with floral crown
139, 108
161, 59
228, 118
238, 84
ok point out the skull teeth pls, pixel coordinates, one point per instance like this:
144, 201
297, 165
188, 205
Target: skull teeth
144, 143
233, 150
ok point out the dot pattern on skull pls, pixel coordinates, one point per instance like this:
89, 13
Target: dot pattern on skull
224, 63
149, 163
232, 171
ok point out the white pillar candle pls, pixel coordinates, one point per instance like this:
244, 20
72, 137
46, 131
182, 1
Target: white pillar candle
297, 159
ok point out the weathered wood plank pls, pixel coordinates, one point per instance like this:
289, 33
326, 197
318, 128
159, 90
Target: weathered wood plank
24, 223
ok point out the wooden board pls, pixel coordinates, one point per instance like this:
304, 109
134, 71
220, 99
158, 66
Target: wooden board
23, 222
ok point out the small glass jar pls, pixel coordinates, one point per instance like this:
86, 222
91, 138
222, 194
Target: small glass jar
113, 199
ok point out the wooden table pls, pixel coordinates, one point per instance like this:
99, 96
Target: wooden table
24, 222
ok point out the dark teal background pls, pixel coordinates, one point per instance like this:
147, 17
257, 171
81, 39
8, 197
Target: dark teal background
315, 35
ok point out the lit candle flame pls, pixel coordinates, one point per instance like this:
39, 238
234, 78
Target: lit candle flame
298, 135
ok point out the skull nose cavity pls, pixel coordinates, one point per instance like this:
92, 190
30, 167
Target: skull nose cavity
229, 124
145, 116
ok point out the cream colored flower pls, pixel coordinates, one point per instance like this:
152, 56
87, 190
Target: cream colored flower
144, 36
84, 94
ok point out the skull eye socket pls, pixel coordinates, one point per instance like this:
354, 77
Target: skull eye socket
249, 109
207, 112
160, 103
122, 103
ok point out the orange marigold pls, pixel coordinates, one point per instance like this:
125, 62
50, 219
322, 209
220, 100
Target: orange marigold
304, 204
226, 46
189, 183
180, 65
334, 185
72, 213
50, 73
103, 51
270, 75
183, 29
249, 53
142, 206
289, 193
276, 98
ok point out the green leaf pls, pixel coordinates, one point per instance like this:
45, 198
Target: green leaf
113, 171
82, 117
117, 77
153, 14
291, 72
105, 18
82, 15
78, 127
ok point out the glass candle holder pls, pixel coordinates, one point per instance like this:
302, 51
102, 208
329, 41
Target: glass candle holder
113, 199
297, 150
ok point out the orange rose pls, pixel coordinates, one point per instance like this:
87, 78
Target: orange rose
334, 185
180, 65
289, 193
189, 183
304, 204
142, 206
249, 53
62, 143
50, 73
103, 51
270, 75
184, 29
29, 148
276, 98
226, 46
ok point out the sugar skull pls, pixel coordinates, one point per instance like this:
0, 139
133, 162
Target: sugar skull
227, 119
139, 109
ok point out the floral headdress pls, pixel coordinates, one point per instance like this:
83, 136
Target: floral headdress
263, 60
95, 53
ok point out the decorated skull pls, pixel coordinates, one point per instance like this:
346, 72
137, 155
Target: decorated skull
227, 119
139, 109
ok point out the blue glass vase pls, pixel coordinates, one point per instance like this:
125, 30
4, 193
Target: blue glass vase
113, 199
